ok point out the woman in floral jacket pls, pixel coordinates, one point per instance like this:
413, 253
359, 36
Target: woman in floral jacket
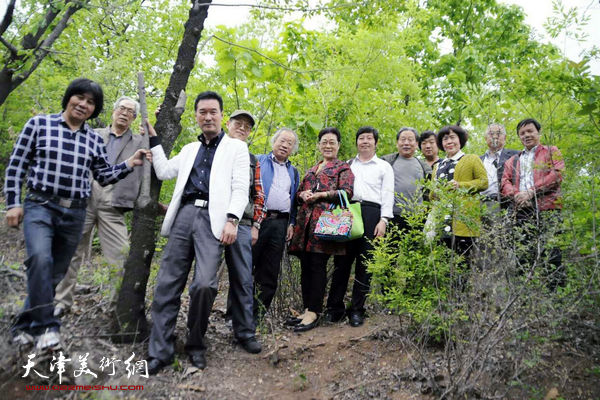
318, 190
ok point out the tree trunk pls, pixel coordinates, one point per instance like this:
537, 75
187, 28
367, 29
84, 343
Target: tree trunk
130, 322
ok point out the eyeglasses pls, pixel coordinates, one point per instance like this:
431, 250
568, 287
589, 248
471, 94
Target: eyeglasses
328, 143
244, 125
126, 110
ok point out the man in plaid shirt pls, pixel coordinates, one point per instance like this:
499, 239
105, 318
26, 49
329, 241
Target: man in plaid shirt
57, 152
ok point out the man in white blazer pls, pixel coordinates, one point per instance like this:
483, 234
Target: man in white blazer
210, 195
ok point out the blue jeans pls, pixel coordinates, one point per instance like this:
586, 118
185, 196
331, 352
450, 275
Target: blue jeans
51, 234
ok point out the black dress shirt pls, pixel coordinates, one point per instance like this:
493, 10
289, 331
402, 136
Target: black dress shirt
199, 179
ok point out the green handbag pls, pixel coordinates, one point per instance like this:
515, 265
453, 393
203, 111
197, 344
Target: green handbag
358, 228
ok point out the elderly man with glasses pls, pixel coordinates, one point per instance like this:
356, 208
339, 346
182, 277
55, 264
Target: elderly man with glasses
493, 161
107, 205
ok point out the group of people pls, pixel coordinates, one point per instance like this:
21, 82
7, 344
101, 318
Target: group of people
227, 201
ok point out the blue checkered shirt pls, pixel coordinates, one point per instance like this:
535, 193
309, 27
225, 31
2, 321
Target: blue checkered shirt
58, 160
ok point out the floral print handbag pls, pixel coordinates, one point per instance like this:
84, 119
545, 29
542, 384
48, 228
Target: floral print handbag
341, 223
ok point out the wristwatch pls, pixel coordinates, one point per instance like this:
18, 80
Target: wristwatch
234, 221
256, 225
384, 219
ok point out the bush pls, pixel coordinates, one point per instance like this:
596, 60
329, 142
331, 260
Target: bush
491, 316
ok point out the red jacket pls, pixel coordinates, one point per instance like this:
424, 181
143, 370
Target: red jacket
547, 166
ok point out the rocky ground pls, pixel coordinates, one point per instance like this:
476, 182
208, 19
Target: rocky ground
330, 362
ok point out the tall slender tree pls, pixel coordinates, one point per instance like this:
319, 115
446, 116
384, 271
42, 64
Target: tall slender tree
130, 317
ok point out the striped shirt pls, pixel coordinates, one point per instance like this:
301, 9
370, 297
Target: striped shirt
58, 161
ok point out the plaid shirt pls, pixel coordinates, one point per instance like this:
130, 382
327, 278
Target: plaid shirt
59, 160
260, 211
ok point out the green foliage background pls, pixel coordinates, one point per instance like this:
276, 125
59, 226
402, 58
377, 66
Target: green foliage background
384, 63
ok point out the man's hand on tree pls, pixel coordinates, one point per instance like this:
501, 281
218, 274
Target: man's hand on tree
138, 158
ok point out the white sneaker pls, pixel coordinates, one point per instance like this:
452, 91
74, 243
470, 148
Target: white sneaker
23, 339
59, 310
48, 340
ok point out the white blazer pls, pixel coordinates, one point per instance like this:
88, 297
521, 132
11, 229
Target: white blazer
228, 185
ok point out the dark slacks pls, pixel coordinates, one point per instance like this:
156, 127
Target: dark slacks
400, 222
403, 225
266, 258
356, 250
533, 227
51, 235
238, 256
462, 245
313, 279
191, 238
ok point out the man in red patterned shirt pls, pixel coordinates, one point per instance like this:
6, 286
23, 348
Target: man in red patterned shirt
238, 255
531, 180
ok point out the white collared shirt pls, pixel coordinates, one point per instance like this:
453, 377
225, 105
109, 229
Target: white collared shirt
374, 182
526, 169
492, 172
457, 156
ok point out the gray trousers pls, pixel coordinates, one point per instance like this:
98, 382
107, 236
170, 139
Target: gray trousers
114, 240
191, 238
240, 298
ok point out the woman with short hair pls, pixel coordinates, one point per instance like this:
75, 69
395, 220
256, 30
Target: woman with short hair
318, 189
465, 171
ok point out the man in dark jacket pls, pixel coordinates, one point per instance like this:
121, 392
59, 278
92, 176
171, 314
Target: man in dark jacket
493, 160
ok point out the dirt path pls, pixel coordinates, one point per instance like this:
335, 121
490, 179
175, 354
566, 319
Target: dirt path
334, 361
329, 362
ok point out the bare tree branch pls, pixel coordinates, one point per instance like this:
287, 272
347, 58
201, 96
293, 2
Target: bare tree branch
31, 41
13, 50
301, 9
44, 48
273, 60
8, 16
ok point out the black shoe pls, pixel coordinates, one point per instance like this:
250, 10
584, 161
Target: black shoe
292, 321
155, 365
332, 316
198, 360
307, 327
251, 345
356, 319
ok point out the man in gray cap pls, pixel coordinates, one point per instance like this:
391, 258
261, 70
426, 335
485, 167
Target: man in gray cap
238, 255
